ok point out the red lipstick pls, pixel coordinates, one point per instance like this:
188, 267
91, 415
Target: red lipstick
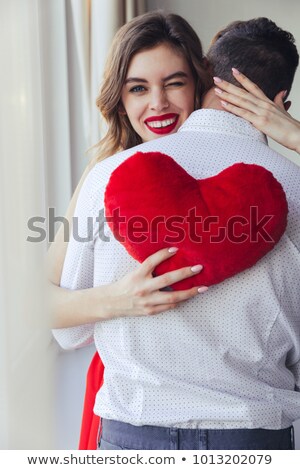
159, 124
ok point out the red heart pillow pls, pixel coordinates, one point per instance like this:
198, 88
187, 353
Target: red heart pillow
226, 222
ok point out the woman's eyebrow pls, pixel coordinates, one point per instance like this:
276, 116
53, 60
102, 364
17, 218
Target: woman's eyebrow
178, 74
135, 79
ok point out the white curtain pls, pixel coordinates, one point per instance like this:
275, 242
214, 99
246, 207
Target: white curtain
26, 358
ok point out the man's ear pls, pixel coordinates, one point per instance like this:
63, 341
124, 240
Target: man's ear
279, 101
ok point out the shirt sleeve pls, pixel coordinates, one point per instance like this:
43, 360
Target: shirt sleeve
78, 269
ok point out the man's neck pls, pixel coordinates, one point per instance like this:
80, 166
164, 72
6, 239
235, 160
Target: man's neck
211, 101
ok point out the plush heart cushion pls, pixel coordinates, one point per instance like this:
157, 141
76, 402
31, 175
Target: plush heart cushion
226, 222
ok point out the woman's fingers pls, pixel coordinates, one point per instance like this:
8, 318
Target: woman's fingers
241, 101
248, 115
278, 100
150, 263
248, 84
240, 92
250, 97
163, 301
175, 296
252, 104
139, 293
171, 277
257, 92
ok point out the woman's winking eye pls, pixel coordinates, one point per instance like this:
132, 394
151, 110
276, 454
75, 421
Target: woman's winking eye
175, 84
141, 88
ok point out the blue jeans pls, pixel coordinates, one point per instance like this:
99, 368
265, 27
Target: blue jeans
121, 436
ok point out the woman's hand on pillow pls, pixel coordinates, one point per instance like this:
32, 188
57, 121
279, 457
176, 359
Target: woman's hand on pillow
140, 294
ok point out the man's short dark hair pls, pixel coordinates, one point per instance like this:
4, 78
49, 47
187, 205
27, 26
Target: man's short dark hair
258, 48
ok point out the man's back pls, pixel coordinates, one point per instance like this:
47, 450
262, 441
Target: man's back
229, 359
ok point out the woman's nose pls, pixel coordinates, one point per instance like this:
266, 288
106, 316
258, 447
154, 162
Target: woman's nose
159, 100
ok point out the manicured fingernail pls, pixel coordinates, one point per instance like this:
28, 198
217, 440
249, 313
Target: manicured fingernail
217, 79
236, 71
217, 90
202, 289
197, 268
173, 249
284, 93
224, 103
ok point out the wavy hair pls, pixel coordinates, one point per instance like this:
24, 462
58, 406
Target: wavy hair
141, 33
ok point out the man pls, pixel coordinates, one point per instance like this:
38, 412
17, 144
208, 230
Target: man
221, 371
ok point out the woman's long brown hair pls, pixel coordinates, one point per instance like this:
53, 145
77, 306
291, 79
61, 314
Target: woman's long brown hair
141, 33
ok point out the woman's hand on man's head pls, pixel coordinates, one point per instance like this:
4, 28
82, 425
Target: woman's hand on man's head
250, 103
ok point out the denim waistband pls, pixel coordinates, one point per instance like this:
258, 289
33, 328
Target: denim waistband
127, 436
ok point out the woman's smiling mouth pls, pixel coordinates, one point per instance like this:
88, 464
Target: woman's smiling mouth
162, 124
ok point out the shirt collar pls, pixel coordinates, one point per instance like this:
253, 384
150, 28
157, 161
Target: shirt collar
223, 122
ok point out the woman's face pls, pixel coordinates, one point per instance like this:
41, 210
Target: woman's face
159, 92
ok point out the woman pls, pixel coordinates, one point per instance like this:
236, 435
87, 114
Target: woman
123, 103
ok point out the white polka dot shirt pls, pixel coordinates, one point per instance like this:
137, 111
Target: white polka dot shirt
228, 358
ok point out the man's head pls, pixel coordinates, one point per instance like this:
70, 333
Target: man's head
259, 49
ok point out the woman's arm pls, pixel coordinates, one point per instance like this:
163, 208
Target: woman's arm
253, 105
136, 294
